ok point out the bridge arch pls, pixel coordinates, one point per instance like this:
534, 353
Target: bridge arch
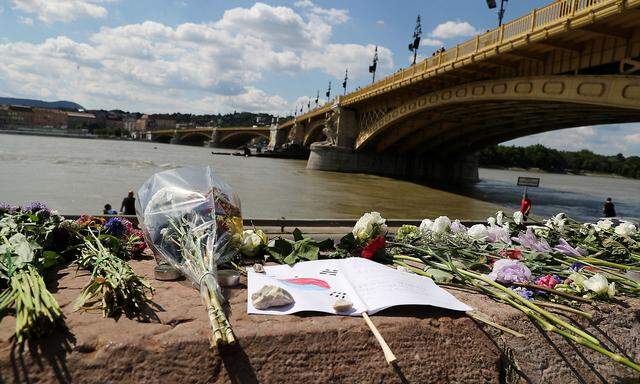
488, 107
314, 133
196, 138
235, 139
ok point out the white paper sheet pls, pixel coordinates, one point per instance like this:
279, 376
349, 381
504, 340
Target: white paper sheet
370, 286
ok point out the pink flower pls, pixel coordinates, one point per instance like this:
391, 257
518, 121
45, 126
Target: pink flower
547, 281
510, 271
515, 254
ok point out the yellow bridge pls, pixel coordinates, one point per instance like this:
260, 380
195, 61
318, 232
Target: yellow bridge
571, 63
213, 136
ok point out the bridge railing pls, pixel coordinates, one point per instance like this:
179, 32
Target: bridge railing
536, 20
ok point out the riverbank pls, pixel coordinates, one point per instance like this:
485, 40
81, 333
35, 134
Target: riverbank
543, 172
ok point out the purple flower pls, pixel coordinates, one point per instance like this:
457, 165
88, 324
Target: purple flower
498, 235
36, 206
529, 240
510, 271
577, 266
118, 226
568, 250
6, 207
522, 291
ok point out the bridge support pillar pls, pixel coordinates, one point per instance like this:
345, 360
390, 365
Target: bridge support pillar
215, 139
447, 171
277, 137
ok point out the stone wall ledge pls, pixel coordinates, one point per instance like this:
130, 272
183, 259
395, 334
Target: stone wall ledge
432, 345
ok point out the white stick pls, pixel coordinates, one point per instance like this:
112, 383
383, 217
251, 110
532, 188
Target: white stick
388, 355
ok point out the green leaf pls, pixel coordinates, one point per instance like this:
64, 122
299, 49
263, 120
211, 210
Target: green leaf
297, 235
280, 250
438, 275
348, 242
50, 259
325, 245
307, 250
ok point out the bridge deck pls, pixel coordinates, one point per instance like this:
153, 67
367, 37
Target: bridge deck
531, 32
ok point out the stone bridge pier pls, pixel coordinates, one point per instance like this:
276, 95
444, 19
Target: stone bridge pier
337, 154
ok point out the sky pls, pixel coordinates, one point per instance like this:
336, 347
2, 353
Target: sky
220, 56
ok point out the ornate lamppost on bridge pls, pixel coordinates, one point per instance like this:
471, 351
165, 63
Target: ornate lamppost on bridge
417, 34
374, 66
492, 5
344, 83
317, 98
328, 93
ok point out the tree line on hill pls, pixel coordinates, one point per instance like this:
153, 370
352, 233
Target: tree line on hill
552, 160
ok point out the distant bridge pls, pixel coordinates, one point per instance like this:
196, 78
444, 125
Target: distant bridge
572, 63
213, 136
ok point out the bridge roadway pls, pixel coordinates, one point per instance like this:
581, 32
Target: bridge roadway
213, 136
571, 63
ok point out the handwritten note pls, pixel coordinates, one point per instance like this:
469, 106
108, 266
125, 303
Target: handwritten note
371, 287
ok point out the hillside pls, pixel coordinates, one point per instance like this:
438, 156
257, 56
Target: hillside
41, 104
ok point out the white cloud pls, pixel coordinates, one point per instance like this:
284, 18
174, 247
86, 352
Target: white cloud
25, 20
380, 23
50, 11
452, 29
330, 15
152, 67
607, 139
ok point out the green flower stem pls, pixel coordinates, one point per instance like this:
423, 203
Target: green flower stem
485, 320
470, 313
513, 295
611, 264
554, 292
580, 340
548, 315
564, 308
622, 279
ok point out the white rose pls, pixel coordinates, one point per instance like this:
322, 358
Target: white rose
500, 218
604, 225
518, 217
458, 227
252, 241
426, 225
626, 229
600, 285
478, 232
441, 224
367, 224
491, 221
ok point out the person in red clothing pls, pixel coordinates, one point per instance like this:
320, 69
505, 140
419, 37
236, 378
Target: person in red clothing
525, 205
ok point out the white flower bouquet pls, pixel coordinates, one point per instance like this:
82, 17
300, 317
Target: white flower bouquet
192, 220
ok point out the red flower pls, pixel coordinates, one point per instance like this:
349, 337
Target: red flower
139, 245
547, 281
515, 254
374, 248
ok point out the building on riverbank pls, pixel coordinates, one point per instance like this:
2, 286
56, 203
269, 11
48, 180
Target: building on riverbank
19, 117
80, 120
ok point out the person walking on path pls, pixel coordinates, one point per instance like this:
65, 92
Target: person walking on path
609, 209
525, 206
128, 205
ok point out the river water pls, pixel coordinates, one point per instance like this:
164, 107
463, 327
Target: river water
80, 175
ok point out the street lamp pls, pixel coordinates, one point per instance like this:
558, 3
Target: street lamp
328, 93
344, 83
417, 33
374, 66
492, 5
317, 97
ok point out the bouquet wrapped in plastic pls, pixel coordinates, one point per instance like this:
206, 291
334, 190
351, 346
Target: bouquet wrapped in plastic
192, 219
